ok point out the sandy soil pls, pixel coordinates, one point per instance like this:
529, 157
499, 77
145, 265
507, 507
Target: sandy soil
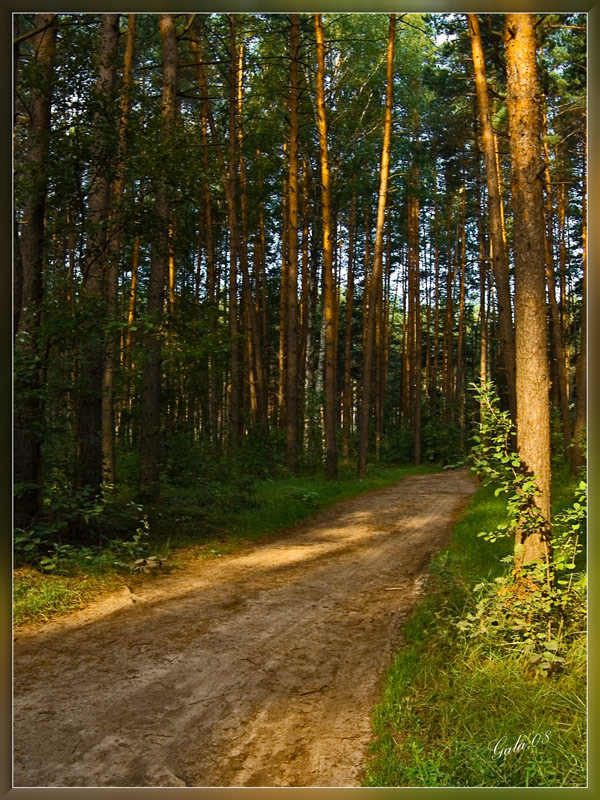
259, 668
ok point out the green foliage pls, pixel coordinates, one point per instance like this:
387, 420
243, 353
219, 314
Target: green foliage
39, 596
77, 526
440, 441
532, 609
448, 699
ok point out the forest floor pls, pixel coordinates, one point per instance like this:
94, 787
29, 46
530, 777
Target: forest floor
258, 668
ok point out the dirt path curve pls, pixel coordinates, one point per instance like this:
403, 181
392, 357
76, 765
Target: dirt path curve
256, 669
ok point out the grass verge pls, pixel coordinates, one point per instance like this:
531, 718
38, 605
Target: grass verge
38, 597
448, 700
184, 528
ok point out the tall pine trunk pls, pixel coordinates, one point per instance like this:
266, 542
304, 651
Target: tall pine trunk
112, 272
500, 259
329, 315
532, 379
93, 296
376, 272
291, 406
151, 375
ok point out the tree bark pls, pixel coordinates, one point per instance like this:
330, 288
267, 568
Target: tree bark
414, 314
460, 380
93, 295
285, 240
532, 379
235, 388
579, 426
500, 260
376, 273
291, 406
151, 375
328, 293
347, 395
112, 273
555, 326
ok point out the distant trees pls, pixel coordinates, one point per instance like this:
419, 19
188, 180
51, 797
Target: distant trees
29, 280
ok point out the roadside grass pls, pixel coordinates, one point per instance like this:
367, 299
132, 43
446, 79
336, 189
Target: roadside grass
38, 596
448, 700
185, 526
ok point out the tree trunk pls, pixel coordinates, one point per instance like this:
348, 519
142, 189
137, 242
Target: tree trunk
328, 293
347, 396
555, 324
448, 334
532, 384
500, 260
93, 294
483, 343
27, 383
579, 427
291, 406
285, 240
414, 314
151, 375
235, 388
112, 274
436, 312
376, 273
460, 394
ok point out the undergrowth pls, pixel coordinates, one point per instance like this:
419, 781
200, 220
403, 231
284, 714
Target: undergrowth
463, 711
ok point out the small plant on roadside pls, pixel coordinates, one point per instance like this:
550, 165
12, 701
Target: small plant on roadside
533, 608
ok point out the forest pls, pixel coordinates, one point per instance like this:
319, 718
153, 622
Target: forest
252, 248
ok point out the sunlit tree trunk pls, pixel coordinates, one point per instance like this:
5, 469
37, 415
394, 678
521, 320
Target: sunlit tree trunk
27, 384
532, 384
500, 259
414, 316
328, 292
376, 273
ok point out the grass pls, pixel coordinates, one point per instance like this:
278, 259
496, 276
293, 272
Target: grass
38, 596
189, 523
449, 700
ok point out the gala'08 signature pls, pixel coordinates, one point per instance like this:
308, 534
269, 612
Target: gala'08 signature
501, 747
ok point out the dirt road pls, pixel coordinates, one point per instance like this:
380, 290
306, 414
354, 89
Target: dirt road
260, 668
